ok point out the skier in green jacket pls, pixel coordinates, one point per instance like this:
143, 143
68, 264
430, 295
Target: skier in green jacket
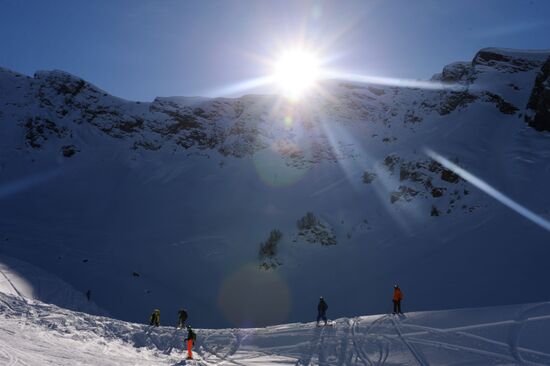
155, 318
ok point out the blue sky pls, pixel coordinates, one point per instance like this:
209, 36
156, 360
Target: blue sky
139, 49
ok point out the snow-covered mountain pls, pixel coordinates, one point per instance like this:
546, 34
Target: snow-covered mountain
245, 210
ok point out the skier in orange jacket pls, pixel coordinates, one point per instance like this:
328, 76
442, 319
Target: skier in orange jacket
397, 297
191, 338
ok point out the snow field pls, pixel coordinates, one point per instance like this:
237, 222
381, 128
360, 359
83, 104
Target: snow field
35, 333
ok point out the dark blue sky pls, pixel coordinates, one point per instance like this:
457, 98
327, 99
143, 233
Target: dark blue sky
139, 49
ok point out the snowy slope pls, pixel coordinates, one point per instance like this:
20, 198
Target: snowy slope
166, 204
39, 334
23, 280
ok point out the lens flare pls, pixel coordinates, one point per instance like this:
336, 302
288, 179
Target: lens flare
491, 191
392, 82
272, 167
247, 293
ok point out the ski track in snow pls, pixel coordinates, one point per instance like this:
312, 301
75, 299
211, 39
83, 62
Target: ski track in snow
313, 348
235, 345
513, 339
10, 282
363, 356
419, 357
477, 338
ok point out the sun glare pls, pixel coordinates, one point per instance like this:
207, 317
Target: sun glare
296, 71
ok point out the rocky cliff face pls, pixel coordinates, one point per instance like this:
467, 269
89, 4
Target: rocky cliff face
538, 114
54, 103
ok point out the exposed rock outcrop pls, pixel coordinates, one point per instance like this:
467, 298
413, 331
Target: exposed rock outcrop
538, 114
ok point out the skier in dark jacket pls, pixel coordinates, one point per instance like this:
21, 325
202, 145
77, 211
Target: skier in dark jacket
322, 310
182, 317
155, 318
191, 338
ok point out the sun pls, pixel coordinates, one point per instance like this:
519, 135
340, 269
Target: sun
296, 71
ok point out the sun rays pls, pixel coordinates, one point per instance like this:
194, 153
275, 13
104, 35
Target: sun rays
296, 72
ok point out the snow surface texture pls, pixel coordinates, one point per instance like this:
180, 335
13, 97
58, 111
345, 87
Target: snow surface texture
170, 204
34, 333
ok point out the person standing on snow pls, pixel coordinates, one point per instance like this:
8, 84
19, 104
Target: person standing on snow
397, 297
322, 310
182, 317
155, 318
191, 337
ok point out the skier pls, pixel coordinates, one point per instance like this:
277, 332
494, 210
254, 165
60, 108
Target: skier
397, 297
182, 317
155, 318
191, 337
322, 310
